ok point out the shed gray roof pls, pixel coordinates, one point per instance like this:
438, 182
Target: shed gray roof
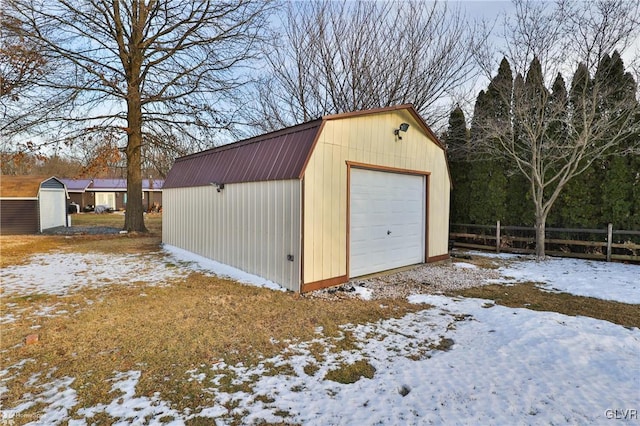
277, 155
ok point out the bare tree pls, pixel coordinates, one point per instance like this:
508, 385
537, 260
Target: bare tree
555, 135
334, 57
20, 61
148, 68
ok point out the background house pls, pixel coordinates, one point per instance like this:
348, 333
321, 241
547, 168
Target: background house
31, 204
313, 205
77, 191
112, 192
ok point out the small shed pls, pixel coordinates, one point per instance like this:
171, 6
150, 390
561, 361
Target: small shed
316, 204
30, 204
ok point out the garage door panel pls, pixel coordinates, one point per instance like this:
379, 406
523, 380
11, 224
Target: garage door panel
386, 221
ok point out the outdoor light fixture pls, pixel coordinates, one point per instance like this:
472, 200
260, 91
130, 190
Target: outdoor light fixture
219, 186
403, 128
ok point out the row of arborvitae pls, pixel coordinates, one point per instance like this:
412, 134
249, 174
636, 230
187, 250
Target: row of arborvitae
535, 127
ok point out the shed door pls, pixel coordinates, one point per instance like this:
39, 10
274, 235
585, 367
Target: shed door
53, 208
387, 217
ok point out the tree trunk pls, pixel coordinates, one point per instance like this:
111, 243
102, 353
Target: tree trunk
540, 232
134, 215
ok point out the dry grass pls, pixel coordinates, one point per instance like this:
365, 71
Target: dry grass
16, 249
200, 321
528, 295
166, 331
351, 373
153, 221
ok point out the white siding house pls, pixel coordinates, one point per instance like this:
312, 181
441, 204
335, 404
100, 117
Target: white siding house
314, 205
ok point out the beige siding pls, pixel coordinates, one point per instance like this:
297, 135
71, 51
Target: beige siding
251, 226
365, 139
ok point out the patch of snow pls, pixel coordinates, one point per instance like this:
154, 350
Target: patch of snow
494, 255
363, 292
464, 265
202, 264
602, 280
62, 273
127, 407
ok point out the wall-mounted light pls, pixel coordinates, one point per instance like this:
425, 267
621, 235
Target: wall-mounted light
219, 186
403, 128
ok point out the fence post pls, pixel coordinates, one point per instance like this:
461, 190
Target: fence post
609, 240
498, 237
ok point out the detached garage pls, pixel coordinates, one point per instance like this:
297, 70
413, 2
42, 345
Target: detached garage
316, 204
29, 204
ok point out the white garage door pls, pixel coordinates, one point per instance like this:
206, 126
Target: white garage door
387, 221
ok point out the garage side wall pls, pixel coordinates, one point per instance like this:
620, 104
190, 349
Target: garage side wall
252, 226
367, 140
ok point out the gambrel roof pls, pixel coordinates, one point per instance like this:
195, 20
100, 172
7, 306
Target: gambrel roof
278, 155
25, 186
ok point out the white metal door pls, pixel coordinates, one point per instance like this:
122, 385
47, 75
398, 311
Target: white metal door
387, 216
106, 199
53, 208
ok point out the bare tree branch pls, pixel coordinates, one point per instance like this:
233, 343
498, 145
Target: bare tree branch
142, 69
553, 137
334, 57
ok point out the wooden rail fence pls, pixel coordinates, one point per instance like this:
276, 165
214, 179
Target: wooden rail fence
600, 244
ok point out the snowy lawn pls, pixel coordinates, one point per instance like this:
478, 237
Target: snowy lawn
602, 280
457, 361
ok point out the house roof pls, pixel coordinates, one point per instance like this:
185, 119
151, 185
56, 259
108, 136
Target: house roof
76, 185
108, 184
277, 155
82, 185
22, 186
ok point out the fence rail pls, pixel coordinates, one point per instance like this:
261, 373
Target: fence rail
601, 244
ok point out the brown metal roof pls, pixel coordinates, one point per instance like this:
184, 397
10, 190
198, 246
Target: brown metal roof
21, 186
273, 156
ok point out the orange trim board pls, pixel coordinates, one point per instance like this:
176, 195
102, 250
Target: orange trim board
386, 169
427, 195
439, 258
330, 282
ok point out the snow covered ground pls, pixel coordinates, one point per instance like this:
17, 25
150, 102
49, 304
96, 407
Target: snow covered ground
602, 280
61, 273
505, 365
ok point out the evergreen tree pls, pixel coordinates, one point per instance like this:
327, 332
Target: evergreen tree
578, 205
457, 141
618, 173
557, 132
499, 95
616, 191
487, 175
487, 181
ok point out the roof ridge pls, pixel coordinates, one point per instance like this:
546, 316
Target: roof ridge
258, 138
